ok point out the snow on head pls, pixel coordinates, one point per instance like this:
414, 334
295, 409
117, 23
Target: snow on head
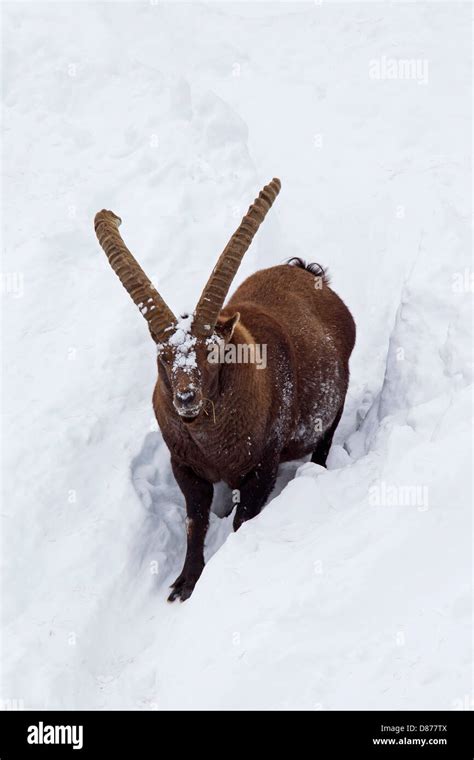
183, 342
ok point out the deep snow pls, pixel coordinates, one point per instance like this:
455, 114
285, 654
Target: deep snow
353, 588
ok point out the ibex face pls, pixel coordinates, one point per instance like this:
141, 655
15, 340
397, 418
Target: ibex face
186, 368
184, 345
180, 371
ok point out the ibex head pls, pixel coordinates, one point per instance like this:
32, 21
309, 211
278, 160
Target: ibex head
183, 345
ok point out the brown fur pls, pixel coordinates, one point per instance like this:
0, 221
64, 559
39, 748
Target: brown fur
252, 418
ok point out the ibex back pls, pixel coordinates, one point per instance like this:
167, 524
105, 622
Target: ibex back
241, 388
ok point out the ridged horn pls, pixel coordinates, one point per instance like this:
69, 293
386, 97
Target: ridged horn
144, 294
215, 292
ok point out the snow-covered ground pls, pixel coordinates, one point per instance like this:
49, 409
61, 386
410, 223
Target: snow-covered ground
352, 589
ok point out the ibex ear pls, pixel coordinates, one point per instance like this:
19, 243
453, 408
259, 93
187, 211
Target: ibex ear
226, 325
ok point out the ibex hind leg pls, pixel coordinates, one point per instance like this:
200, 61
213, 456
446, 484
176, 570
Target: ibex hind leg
255, 489
320, 453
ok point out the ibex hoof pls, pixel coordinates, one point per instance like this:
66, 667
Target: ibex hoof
182, 589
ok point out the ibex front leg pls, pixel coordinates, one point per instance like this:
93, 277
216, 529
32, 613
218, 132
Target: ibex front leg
198, 494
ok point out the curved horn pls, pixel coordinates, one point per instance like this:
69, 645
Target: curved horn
214, 294
159, 317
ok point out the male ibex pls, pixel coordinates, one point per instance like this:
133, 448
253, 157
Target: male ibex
235, 422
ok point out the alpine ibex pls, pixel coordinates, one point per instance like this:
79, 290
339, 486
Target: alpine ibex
236, 421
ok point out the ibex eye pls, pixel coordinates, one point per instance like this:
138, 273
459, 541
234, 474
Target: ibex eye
164, 375
165, 361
